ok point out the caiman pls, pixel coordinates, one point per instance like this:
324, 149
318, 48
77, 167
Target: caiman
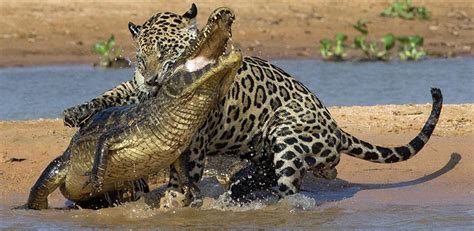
120, 146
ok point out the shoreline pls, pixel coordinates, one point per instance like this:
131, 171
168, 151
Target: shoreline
65, 32
27, 147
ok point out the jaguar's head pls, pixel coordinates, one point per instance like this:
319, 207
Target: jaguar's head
207, 67
165, 37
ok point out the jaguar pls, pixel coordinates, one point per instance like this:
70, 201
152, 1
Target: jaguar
267, 117
110, 157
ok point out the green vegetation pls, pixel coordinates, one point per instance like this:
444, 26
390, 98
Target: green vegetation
334, 50
109, 55
411, 48
373, 50
404, 9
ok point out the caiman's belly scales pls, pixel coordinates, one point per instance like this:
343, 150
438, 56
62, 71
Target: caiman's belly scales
148, 148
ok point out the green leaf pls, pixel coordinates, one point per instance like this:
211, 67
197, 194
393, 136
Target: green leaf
111, 42
388, 41
359, 42
416, 40
325, 48
101, 48
403, 39
422, 12
326, 43
324, 52
407, 15
398, 7
340, 37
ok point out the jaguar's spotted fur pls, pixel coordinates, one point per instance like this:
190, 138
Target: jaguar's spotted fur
161, 39
273, 120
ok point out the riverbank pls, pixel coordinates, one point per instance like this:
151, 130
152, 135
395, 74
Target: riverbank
26, 147
60, 32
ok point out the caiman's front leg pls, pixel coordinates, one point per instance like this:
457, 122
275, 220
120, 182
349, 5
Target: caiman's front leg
96, 176
51, 178
104, 144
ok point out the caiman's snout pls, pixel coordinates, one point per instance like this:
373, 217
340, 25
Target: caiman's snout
210, 64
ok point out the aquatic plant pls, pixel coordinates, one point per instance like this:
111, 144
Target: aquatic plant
109, 55
334, 50
411, 48
404, 9
373, 50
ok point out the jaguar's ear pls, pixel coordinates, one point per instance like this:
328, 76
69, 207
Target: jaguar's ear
191, 13
134, 29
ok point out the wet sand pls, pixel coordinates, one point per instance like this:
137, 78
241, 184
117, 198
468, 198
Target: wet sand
64, 31
26, 147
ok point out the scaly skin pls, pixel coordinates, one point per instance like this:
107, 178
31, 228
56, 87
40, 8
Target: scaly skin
121, 145
267, 117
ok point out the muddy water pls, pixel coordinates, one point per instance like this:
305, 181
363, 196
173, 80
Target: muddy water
332, 207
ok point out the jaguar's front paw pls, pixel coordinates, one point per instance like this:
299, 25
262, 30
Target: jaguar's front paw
192, 194
173, 199
71, 117
76, 116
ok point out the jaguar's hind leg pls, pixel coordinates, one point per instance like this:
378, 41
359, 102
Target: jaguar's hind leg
297, 141
250, 179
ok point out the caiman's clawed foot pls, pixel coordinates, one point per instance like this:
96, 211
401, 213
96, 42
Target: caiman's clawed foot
35, 206
95, 182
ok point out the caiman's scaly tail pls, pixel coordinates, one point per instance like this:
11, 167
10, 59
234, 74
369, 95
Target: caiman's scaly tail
361, 149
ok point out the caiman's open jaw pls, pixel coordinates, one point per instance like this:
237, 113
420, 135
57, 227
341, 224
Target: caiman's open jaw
209, 62
210, 44
212, 40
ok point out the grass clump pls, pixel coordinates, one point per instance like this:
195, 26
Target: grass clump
109, 55
334, 50
405, 10
411, 48
371, 49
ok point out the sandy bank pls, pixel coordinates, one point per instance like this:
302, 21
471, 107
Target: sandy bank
26, 147
64, 31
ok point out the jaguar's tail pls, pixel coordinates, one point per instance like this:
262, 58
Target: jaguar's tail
361, 149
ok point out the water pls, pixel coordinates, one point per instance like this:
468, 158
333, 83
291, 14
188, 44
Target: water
311, 209
340, 218
321, 204
43, 92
